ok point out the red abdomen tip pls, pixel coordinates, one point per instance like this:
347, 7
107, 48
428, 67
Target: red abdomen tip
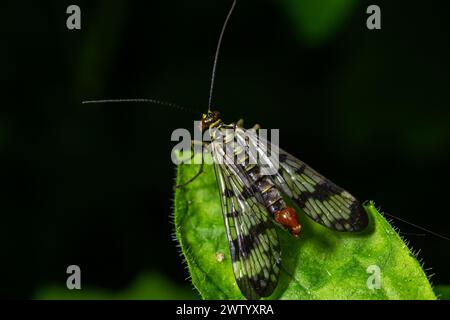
288, 218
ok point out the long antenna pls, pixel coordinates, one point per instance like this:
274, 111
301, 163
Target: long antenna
139, 100
216, 58
418, 227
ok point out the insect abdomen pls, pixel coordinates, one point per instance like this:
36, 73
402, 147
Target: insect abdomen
273, 200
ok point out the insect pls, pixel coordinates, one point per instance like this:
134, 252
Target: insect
253, 201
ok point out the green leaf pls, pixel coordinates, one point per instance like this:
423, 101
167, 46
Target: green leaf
321, 264
316, 21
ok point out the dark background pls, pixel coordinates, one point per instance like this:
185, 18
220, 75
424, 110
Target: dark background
91, 185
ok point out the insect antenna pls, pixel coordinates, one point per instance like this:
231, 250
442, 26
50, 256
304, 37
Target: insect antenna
216, 57
418, 227
139, 100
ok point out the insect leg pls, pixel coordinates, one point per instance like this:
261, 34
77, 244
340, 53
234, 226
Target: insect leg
181, 185
194, 142
240, 124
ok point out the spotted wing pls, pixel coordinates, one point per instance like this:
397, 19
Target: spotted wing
253, 241
321, 199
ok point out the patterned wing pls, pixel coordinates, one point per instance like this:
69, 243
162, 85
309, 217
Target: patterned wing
321, 199
253, 241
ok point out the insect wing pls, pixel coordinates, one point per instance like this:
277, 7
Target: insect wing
321, 199
253, 241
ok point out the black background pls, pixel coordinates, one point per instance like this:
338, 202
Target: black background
92, 184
